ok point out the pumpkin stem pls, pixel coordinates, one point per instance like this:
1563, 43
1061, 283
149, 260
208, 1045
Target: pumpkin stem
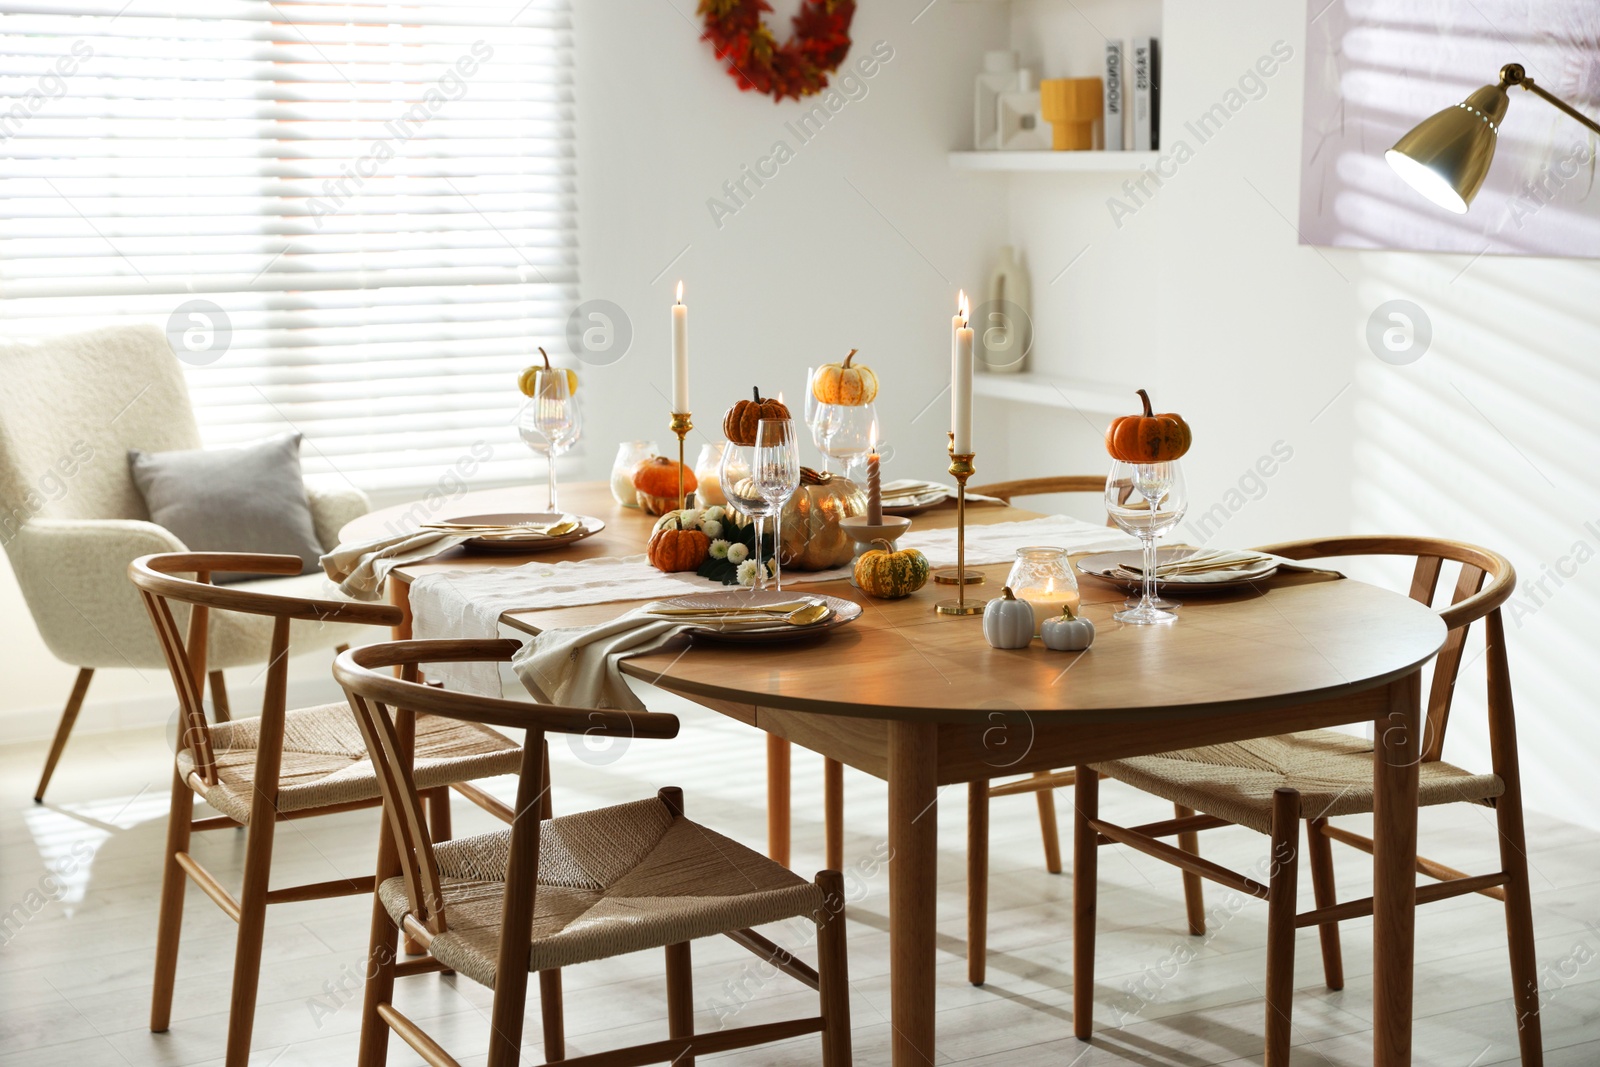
546, 356
848, 358
1005, 591
1066, 611
1148, 410
755, 393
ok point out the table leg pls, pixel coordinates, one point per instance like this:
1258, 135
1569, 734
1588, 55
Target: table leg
400, 597
913, 876
1398, 750
778, 799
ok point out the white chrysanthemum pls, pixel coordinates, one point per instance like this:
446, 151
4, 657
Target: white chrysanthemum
711, 527
747, 570
690, 517
716, 513
738, 553
719, 550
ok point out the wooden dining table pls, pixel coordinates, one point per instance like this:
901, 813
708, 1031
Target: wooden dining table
921, 700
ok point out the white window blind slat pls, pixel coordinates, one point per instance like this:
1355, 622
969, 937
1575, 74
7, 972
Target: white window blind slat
378, 196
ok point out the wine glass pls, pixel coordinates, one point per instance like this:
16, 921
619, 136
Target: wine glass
777, 476
1146, 500
844, 432
736, 475
549, 423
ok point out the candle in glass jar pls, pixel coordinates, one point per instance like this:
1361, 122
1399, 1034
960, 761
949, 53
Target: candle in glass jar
1048, 602
961, 380
680, 355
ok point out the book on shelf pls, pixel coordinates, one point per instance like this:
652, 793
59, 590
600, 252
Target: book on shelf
1113, 98
1146, 94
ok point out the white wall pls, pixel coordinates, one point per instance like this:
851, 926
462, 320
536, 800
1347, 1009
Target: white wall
1204, 295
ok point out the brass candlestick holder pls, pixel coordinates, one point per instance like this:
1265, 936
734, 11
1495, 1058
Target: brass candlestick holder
961, 468
681, 425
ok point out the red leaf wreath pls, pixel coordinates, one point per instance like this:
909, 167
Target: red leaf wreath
799, 66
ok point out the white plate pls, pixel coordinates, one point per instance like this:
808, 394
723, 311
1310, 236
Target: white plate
843, 611
1104, 565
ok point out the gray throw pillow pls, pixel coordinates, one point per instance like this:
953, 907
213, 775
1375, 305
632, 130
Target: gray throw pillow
246, 499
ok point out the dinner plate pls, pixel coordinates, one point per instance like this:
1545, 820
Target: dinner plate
522, 544
841, 613
916, 505
1101, 566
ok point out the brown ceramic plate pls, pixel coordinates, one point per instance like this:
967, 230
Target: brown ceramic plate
843, 612
522, 544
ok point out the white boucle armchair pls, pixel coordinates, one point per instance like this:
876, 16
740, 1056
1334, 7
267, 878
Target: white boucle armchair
71, 519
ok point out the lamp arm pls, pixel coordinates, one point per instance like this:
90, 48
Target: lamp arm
1514, 74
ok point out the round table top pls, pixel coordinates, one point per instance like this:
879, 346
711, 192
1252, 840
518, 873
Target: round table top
1295, 639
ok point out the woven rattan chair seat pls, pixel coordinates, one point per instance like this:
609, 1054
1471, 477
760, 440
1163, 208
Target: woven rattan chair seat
611, 881
325, 760
1332, 771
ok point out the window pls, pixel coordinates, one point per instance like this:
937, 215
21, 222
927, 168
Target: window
354, 218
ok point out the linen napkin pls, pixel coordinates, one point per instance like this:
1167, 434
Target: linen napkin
581, 666
469, 603
361, 566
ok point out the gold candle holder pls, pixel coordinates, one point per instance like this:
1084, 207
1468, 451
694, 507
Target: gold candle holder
681, 425
961, 468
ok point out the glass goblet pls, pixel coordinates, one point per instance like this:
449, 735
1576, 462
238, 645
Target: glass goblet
777, 476
1146, 500
736, 475
549, 424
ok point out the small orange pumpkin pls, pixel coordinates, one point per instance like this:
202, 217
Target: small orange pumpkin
739, 424
655, 482
673, 548
1148, 437
844, 384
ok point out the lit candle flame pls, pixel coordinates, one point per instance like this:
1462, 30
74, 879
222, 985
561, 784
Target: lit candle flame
961, 304
680, 292
780, 396
872, 435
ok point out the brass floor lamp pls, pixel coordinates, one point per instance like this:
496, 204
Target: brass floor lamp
1447, 156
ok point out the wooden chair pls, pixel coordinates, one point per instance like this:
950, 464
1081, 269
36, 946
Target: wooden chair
550, 893
1271, 785
284, 765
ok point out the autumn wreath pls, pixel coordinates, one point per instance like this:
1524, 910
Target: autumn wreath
799, 66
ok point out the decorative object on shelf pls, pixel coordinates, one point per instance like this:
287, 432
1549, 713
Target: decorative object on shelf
1447, 156
1021, 125
809, 534
1072, 107
707, 475
676, 547
799, 66
999, 76
866, 534
1148, 437
658, 481
1113, 139
1146, 94
845, 384
1005, 322
528, 380
549, 421
1042, 578
740, 421
629, 455
1067, 632
1007, 621
1146, 500
890, 573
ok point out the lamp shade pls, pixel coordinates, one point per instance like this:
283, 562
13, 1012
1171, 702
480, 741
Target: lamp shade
1447, 156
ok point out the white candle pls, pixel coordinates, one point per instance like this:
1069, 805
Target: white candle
1047, 603
680, 355
961, 381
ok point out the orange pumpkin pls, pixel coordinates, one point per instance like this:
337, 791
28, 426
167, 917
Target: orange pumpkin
673, 548
844, 384
655, 482
739, 424
1148, 437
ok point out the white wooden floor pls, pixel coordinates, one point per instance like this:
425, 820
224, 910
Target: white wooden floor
76, 958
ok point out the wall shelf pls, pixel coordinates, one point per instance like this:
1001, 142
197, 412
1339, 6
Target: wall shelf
1023, 162
1046, 391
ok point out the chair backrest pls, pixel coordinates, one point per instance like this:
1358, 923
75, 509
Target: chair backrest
71, 408
1061, 483
1470, 600
385, 706
160, 580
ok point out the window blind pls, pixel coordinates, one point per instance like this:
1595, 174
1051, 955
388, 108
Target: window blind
356, 219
